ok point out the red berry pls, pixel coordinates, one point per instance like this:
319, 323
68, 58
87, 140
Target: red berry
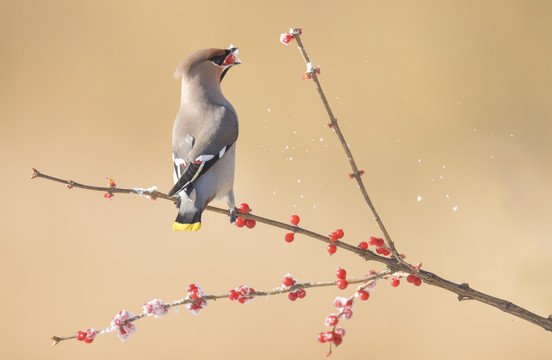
233, 295
340, 331
81, 335
244, 208
322, 337
289, 237
385, 251
339, 233
334, 237
88, 340
337, 339
288, 280
332, 249
292, 296
191, 287
250, 223
194, 294
341, 273
240, 222
331, 320
410, 278
372, 240
363, 295
329, 336
363, 245
379, 250
294, 220
301, 293
286, 38
395, 282
342, 284
417, 281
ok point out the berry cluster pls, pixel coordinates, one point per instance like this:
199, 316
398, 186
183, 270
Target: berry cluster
345, 305
86, 336
195, 293
335, 336
242, 294
294, 220
413, 279
288, 281
378, 243
334, 237
155, 308
125, 328
240, 221
341, 282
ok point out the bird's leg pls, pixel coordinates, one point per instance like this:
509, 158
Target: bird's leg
231, 206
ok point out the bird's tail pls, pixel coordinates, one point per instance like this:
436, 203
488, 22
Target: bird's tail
189, 216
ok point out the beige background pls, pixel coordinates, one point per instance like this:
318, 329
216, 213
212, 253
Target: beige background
87, 92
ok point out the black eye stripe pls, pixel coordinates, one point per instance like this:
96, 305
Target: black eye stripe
218, 60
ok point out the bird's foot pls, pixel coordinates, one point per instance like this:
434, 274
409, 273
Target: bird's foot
232, 214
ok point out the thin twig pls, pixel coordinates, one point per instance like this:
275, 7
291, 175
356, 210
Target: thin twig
335, 126
277, 291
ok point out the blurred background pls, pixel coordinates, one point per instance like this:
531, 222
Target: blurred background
445, 105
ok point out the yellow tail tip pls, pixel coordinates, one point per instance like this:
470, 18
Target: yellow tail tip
186, 227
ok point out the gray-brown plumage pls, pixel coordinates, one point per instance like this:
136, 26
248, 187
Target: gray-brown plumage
204, 136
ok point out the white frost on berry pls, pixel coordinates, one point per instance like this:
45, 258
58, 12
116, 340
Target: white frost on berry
310, 68
119, 322
155, 308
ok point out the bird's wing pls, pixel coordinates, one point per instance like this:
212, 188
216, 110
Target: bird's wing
196, 154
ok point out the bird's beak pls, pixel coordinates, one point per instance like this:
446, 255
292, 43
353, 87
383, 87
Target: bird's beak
230, 60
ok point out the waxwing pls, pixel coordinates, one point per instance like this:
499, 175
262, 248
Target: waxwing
204, 136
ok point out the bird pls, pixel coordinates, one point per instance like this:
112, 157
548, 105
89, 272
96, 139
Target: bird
204, 137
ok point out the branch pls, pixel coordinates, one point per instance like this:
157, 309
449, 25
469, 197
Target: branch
367, 280
462, 290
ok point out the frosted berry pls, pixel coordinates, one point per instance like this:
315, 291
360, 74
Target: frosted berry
363, 295
340, 331
332, 249
240, 222
331, 320
288, 280
250, 224
286, 38
191, 287
347, 313
289, 237
395, 282
301, 293
294, 220
244, 208
363, 245
342, 284
329, 336
88, 340
339, 233
81, 335
341, 273
233, 295
292, 296
322, 337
